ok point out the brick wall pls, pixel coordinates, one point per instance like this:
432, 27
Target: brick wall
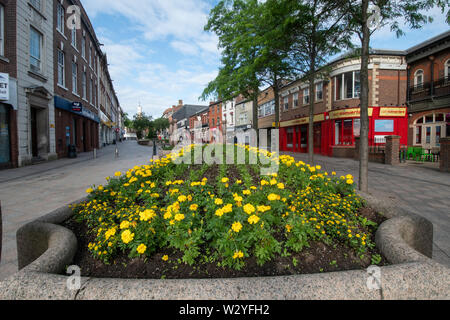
445, 155
10, 65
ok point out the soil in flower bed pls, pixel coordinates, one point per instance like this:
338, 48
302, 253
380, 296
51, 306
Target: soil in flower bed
319, 257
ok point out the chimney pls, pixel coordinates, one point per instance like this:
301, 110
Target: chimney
180, 102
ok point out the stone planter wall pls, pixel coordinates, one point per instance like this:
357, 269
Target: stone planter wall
46, 249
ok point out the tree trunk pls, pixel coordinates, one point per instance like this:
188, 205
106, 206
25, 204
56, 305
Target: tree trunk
364, 140
255, 118
311, 118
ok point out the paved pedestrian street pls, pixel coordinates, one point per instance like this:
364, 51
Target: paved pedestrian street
31, 192
415, 187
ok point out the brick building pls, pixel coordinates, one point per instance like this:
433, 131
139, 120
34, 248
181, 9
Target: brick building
215, 122
428, 95
8, 75
337, 105
199, 125
27, 125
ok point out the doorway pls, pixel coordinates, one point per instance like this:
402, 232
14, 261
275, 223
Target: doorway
34, 134
5, 147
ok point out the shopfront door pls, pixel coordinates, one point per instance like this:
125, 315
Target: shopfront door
5, 147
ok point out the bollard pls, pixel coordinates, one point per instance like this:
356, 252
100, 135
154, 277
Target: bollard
154, 149
117, 152
95, 153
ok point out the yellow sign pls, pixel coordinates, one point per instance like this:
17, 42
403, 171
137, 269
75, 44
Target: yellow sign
300, 121
393, 112
348, 113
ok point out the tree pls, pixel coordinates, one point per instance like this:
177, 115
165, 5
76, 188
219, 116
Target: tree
318, 32
254, 50
361, 18
141, 123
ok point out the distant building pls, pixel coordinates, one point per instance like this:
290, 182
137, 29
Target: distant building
180, 121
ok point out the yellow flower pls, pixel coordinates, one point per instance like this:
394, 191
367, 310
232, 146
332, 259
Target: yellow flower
238, 254
280, 186
179, 217
249, 209
218, 201
219, 212
264, 182
350, 181
246, 192
225, 180
147, 215
182, 198
127, 236
237, 226
273, 197
165, 258
141, 249
124, 225
238, 199
288, 228
193, 207
253, 219
110, 233
118, 174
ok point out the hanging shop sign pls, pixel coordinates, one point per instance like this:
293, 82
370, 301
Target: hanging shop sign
4, 86
393, 112
348, 113
77, 107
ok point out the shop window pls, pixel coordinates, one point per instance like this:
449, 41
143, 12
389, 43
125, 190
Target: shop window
384, 125
429, 118
347, 136
356, 127
438, 134
297, 130
419, 135
344, 132
304, 136
428, 135
290, 138
439, 117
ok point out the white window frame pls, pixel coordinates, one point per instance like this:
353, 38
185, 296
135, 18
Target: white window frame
317, 91
447, 69
73, 41
75, 78
60, 18
61, 68
416, 76
83, 47
343, 94
306, 96
84, 85
41, 45
2, 30
295, 98
286, 103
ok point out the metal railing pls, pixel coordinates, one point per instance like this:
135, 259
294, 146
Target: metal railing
427, 90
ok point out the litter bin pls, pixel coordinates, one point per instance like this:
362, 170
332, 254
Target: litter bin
72, 151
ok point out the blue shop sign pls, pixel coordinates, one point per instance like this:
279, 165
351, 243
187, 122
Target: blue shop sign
67, 105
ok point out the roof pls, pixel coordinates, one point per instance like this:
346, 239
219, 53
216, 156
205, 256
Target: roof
429, 42
187, 111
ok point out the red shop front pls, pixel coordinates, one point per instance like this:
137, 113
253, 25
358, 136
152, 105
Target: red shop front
294, 135
335, 132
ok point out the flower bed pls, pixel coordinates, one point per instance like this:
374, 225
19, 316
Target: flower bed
185, 220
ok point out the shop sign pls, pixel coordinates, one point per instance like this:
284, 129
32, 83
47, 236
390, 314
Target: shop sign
4, 86
300, 121
77, 107
392, 112
348, 113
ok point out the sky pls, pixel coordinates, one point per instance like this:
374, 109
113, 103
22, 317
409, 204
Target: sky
159, 52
